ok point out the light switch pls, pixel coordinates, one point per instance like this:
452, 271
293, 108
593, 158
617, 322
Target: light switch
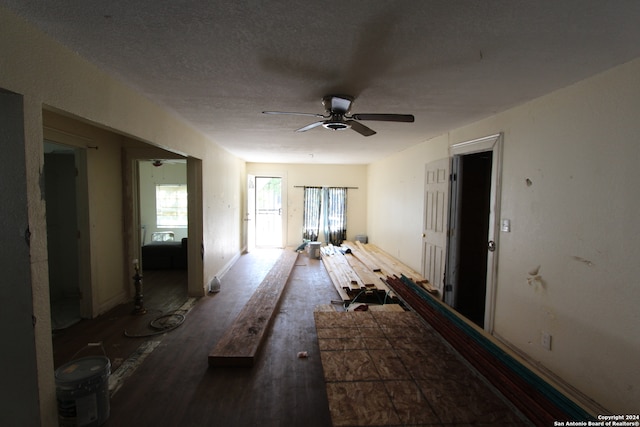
506, 225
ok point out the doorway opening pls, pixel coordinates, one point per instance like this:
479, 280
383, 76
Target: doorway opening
163, 207
146, 168
268, 211
473, 176
64, 180
473, 211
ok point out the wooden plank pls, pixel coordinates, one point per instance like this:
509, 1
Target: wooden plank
336, 282
396, 265
367, 277
351, 277
401, 269
392, 267
385, 268
332, 265
362, 255
241, 343
348, 278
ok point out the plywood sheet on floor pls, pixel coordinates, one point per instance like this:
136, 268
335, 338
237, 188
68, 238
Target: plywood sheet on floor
386, 368
375, 307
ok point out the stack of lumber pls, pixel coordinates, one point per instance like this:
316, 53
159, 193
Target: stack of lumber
355, 268
539, 397
391, 267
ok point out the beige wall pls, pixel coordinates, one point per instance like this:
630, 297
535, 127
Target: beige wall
396, 197
104, 191
322, 176
223, 182
577, 221
51, 77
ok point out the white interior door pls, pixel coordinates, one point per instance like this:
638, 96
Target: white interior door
434, 234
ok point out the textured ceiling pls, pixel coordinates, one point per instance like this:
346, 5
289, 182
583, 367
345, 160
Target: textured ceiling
219, 64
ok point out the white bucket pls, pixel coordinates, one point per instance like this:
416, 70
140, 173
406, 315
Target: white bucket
82, 389
314, 250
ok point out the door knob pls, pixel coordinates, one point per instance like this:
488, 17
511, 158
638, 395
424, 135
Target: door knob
492, 246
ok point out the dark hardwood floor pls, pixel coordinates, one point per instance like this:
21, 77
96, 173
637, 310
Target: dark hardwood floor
173, 385
176, 387
164, 292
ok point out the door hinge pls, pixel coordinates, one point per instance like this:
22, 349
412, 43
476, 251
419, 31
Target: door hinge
448, 288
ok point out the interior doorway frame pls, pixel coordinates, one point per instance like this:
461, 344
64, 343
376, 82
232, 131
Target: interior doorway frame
88, 303
195, 249
494, 144
251, 214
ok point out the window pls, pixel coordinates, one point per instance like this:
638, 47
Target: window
311, 220
326, 206
335, 215
171, 206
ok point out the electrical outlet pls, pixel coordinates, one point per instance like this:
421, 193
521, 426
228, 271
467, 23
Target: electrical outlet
546, 340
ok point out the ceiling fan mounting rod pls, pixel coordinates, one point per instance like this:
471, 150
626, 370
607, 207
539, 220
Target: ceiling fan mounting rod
337, 103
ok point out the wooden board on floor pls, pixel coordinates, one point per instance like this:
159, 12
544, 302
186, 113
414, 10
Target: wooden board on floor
393, 267
362, 255
241, 343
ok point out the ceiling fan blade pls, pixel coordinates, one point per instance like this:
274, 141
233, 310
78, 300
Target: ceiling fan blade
360, 128
406, 118
311, 126
294, 114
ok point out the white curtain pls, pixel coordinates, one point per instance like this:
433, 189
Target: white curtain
311, 221
335, 215
329, 206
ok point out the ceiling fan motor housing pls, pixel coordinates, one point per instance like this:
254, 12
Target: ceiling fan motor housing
337, 104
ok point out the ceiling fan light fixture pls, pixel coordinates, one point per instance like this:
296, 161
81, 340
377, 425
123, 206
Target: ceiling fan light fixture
336, 125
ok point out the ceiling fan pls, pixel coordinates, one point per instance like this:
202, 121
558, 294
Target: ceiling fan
337, 116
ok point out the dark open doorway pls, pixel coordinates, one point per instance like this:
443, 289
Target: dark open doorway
467, 259
69, 288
